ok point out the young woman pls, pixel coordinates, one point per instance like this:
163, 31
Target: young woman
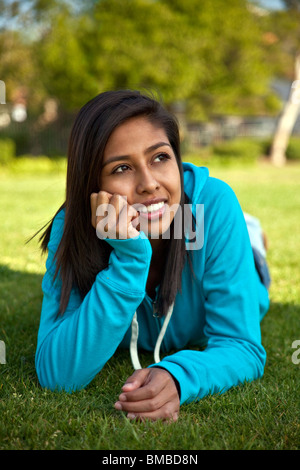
128, 267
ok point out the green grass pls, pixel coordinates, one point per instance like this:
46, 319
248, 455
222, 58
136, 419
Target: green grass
260, 415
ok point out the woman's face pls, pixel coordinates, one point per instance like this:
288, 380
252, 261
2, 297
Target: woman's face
139, 163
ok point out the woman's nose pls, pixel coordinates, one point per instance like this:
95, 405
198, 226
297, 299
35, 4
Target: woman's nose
147, 182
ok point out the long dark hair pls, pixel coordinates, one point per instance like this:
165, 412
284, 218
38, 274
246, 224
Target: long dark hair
81, 255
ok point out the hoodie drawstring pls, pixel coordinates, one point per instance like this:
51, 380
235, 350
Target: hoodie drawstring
134, 339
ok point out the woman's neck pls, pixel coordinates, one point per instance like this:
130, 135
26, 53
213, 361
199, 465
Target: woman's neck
159, 254
159, 251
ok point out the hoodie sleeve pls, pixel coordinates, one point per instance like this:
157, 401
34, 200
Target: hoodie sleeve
234, 353
74, 347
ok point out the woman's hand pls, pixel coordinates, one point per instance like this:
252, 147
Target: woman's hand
112, 217
150, 393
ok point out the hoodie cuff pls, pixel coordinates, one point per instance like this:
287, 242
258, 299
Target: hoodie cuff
129, 264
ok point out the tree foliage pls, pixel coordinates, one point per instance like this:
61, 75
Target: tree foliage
211, 55
288, 35
281, 42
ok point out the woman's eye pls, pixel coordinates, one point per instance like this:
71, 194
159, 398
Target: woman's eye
121, 169
161, 157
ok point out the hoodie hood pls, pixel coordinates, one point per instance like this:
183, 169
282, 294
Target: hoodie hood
194, 180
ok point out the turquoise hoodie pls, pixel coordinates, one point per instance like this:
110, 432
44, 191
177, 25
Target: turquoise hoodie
215, 322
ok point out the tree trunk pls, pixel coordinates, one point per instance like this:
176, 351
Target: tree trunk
286, 121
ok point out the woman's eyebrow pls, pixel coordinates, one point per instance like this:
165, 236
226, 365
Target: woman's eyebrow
115, 159
156, 146
127, 157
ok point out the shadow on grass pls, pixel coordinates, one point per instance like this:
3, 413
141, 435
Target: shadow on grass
20, 307
280, 328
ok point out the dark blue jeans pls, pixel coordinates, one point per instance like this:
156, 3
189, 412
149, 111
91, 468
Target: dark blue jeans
262, 268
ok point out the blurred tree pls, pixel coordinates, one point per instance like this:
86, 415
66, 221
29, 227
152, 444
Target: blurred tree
64, 63
19, 74
146, 44
22, 25
284, 59
188, 52
233, 76
206, 54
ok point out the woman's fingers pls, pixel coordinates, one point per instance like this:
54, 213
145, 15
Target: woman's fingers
164, 414
112, 216
114, 228
150, 393
136, 380
99, 200
93, 200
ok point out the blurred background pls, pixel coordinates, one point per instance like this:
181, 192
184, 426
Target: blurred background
228, 69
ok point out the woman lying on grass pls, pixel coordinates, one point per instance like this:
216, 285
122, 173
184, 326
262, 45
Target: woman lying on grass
147, 252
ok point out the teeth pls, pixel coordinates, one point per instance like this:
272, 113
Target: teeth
152, 207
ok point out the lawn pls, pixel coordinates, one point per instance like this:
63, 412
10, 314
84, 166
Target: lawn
260, 415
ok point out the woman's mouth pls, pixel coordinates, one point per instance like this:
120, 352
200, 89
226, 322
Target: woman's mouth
153, 211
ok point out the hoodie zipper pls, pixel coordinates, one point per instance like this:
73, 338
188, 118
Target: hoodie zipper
158, 320
155, 316
154, 308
